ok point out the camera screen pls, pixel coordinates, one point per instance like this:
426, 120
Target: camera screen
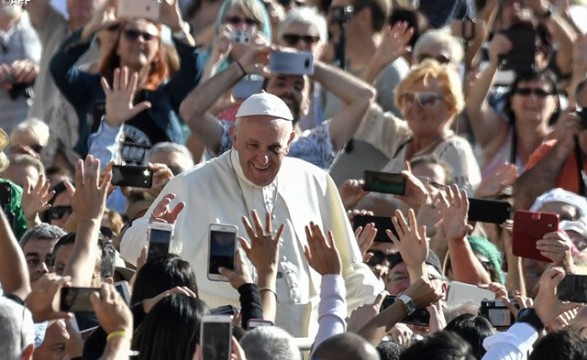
499, 316
159, 242
216, 340
77, 299
221, 250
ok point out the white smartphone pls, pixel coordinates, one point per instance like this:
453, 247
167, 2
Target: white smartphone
142, 9
160, 237
255, 323
291, 62
221, 248
123, 290
215, 336
460, 293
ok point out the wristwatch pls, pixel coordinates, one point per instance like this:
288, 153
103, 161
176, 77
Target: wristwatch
530, 317
408, 303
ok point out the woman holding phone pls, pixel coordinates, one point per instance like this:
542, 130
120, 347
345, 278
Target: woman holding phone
137, 58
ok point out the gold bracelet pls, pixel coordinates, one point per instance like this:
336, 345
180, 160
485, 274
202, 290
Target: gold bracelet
270, 290
115, 334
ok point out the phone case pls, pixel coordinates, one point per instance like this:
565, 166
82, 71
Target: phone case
489, 211
224, 256
135, 176
521, 57
292, 62
142, 9
573, 288
530, 227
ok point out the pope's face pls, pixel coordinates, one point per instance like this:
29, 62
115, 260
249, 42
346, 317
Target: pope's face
261, 143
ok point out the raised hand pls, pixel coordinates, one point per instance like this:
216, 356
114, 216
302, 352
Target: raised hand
241, 274
35, 199
351, 192
492, 185
395, 42
454, 207
119, 98
263, 251
361, 315
423, 293
321, 252
161, 176
412, 243
558, 247
365, 237
89, 195
417, 193
112, 312
163, 213
40, 300
256, 60
149, 304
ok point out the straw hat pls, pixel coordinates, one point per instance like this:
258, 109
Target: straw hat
3, 144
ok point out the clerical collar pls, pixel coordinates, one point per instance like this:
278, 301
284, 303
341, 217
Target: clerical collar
236, 166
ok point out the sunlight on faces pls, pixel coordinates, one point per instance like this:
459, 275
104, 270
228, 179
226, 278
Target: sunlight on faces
53, 346
297, 31
294, 90
38, 255
532, 107
398, 280
137, 52
261, 143
62, 199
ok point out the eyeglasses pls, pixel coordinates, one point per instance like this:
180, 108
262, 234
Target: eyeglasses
425, 99
529, 91
442, 59
293, 39
133, 35
57, 212
236, 20
107, 232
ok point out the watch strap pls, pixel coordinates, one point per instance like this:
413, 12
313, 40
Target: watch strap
408, 303
530, 317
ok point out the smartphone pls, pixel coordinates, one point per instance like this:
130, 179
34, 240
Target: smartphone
224, 310
222, 245
215, 337
241, 37
77, 299
522, 55
419, 317
249, 85
530, 227
255, 323
5, 195
145, 9
160, 236
489, 211
291, 62
130, 175
123, 290
383, 182
460, 293
498, 314
84, 322
573, 288
382, 223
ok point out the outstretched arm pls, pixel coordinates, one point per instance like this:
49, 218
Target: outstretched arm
14, 274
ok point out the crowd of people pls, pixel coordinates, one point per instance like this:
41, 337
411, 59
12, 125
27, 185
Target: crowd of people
267, 117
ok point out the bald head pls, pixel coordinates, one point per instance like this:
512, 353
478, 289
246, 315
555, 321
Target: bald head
346, 346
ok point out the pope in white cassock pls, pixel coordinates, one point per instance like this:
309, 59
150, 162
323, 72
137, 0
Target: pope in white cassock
257, 174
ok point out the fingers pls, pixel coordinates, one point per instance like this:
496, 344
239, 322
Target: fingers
379, 299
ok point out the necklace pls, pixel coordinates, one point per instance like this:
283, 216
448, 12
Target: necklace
269, 192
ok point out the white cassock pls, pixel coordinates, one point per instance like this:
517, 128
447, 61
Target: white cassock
218, 192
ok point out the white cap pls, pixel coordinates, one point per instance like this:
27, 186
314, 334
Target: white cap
560, 195
264, 104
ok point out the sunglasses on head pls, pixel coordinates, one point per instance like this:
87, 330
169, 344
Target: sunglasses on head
236, 20
529, 91
57, 212
423, 98
293, 39
133, 35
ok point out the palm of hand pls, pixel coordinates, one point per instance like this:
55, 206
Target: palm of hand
454, 222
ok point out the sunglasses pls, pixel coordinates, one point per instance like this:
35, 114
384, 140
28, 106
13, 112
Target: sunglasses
107, 232
424, 99
293, 39
236, 20
529, 91
442, 59
57, 212
133, 35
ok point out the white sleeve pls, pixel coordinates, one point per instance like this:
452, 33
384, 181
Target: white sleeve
332, 310
514, 344
134, 239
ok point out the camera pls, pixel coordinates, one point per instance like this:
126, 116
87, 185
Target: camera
497, 312
341, 14
241, 37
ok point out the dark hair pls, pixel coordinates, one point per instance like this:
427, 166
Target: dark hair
107, 253
415, 19
162, 273
345, 346
440, 345
473, 329
171, 330
379, 11
388, 350
560, 345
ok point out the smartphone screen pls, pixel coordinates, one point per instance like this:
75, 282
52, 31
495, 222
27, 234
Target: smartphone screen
382, 223
159, 241
489, 211
123, 290
77, 299
222, 247
135, 176
215, 338
573, 288
382, 182
522, 55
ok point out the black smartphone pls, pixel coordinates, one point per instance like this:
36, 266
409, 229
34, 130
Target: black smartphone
215, 337
419, 317
160, 236
77, 299
129, 175
382, 223
222, 245
489, 211
573, 288
224, 310
498, 314
522, 55
383, 182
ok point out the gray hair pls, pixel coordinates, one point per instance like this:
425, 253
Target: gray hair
26, 160
308, 16
32, 128
444, 37
269, 343
163, 147
17, 330
42, 231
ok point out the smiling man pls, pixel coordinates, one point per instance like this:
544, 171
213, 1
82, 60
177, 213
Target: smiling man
257, 174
